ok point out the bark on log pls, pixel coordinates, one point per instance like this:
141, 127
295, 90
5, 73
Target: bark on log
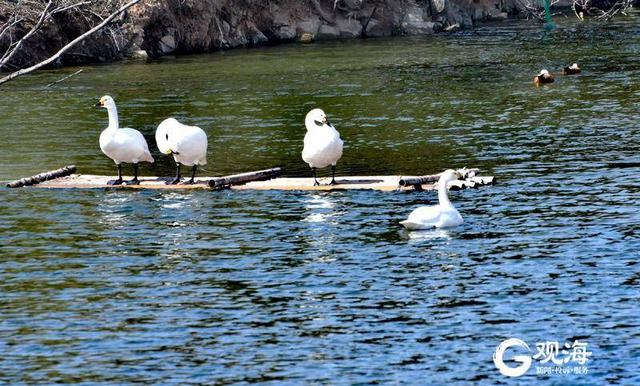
421, 180
46, 176
238, 179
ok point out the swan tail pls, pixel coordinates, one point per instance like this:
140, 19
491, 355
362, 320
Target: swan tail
411, 225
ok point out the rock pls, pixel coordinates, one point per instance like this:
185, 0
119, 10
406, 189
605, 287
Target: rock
379, 29
497, 15
306, 37
167, 44
452, 28
139, 55
309, 26
414, 23
349, 28
438, 6
285, 32
256, 37
328, 32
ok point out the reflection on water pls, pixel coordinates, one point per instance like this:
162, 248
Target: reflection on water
301, 287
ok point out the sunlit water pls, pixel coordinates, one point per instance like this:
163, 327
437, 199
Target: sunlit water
290, 287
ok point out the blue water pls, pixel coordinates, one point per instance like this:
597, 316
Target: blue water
121, 287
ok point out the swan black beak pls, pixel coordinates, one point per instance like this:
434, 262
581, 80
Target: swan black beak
99, 104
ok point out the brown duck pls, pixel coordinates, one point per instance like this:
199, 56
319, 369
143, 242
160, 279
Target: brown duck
572, 69
543, 77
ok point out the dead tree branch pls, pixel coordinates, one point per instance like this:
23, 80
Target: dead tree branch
71, 44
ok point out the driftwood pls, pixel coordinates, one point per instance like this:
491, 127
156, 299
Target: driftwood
46, 176
237, 179
421, 180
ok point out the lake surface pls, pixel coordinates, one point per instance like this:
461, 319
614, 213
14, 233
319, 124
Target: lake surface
301, 287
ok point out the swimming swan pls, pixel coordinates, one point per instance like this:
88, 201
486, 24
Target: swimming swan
443, 215
188, 144
122, 144
322, 144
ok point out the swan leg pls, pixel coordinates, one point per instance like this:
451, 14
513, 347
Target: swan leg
177, 179
119, 180
193, 176
315, 179
333, 175
135, 180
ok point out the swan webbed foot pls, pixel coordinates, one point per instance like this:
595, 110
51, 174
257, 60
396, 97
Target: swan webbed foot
175, 181
189, 182
316, 183
333, 182
115, 182
134, 181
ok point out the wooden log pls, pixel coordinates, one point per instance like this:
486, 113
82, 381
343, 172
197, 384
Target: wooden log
419, 180
238, 179
46, 176
431, 178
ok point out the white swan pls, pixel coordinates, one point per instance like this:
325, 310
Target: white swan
188, 144
443, 215
322, 144
122, 144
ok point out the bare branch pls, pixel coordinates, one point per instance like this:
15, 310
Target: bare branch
9, 54
75, 41
65, 78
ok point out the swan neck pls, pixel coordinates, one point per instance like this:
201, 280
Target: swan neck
443, 196
113, 118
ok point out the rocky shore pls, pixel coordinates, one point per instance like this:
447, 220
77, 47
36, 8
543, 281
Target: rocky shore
155, 28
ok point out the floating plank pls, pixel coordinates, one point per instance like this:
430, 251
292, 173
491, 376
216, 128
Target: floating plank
264, 180
88, 181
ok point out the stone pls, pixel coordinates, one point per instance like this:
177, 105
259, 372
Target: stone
167, 44
438, 6
255, 37
414, 23
306, 37
285, 32
376, 28
349, 28
328, 32
452, 28
139, 55
309, 26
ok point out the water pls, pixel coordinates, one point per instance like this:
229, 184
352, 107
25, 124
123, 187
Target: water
302, 287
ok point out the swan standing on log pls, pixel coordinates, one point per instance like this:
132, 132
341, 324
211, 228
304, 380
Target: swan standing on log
187, 144
442, 215
122, 145
322, 144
